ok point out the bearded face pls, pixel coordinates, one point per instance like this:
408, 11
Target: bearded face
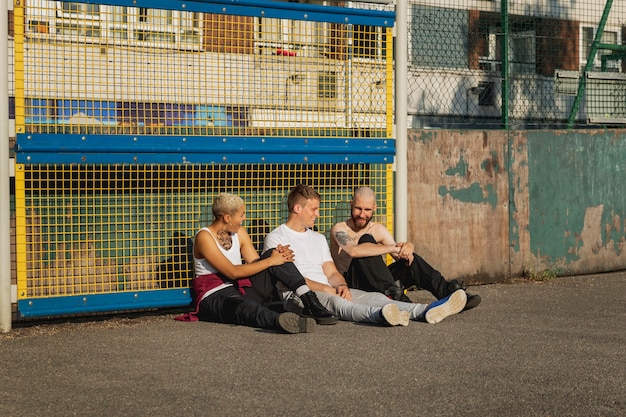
362, 212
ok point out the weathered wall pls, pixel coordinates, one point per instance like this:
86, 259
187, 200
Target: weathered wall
577, 205
488, 205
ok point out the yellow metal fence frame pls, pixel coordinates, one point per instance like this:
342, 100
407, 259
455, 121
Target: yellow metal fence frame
86, 229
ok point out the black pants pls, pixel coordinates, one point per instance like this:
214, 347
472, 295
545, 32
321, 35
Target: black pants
263, 288
230, 306
372, 274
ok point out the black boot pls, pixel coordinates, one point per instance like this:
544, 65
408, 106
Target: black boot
472, 299
396, 292
313, 308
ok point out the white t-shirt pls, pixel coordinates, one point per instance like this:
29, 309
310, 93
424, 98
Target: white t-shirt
310, 249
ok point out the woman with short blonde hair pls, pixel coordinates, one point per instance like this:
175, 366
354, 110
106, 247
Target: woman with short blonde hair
233, 283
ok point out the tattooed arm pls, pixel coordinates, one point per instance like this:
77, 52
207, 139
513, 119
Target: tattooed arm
341, 240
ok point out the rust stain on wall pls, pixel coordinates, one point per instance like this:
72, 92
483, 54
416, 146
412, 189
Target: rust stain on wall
594, 245
458, 215
521, 256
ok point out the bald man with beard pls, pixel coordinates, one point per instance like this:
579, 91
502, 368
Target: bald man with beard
358, 245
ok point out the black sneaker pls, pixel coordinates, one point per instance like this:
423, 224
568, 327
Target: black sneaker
293, 323
472, 299
397, 293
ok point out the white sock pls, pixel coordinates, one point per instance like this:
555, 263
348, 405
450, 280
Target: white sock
303, 289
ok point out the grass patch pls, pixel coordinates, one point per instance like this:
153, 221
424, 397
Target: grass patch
541, 276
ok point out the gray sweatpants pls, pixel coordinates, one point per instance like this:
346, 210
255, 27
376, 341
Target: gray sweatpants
365, 306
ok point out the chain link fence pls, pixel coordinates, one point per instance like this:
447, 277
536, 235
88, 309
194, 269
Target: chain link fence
516, 65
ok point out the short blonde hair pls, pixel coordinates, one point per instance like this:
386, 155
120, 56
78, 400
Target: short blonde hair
226, 203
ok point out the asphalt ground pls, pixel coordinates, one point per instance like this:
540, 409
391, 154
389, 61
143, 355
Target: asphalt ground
555, 348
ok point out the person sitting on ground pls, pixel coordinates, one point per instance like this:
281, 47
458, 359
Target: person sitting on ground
313, 259
358, 244
229, 291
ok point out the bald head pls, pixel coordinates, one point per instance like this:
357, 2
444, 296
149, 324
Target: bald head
364, 193
362, 207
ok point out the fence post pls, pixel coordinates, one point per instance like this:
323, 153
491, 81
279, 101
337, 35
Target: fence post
504, 11
5, 207
401, 183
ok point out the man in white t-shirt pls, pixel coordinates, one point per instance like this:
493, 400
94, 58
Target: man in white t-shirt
314, 261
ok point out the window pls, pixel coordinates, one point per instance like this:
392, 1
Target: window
327, 85
118, 22
190, 28
155, 26
522, 49
167, 27
608, 37
289, 37
77, 9
490, 53
160, 28
486, 94
438, 37
368, 42
78, 19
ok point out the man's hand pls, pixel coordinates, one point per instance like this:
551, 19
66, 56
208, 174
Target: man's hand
406, 251
344, 292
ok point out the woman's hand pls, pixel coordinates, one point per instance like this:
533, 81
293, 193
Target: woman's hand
280, 255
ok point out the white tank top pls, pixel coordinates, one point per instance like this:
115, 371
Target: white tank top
202, 266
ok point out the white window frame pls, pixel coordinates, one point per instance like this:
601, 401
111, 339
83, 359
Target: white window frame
491, 62
289, 37
80, 20
182, 28
612, 66
118, 27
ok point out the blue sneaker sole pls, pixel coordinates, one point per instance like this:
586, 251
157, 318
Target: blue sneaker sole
455, 304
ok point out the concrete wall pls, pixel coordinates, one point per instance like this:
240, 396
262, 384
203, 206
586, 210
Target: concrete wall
485, 206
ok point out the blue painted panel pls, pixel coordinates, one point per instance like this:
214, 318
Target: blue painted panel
270, 9
81, 149
94, 303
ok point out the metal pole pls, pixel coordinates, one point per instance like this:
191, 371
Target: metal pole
5, 178
589, 65
401, 74
504, 14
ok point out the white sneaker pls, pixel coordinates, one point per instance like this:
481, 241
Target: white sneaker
447, 306
393, 316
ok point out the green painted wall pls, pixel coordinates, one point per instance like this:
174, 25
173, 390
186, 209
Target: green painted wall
490, 205
569, 173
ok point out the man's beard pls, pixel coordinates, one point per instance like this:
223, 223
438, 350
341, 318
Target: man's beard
355, 220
